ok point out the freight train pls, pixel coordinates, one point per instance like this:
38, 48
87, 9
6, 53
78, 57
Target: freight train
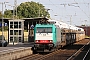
55, 34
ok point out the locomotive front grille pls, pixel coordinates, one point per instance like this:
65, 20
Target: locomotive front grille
45, 46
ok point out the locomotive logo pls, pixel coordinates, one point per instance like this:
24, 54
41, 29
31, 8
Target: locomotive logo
44, 34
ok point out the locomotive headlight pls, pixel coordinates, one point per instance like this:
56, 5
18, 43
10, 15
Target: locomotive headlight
37, 41
50, 41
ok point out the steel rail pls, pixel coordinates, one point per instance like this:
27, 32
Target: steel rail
78, 51
86, 54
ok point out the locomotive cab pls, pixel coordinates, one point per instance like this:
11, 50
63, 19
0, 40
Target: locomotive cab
44, 37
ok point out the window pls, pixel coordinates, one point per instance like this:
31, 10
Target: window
19, 32
15, 32
11, 32
11, 39
15, 24
20, 39
11, 25
44, 30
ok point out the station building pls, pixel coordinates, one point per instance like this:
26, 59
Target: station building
17, 27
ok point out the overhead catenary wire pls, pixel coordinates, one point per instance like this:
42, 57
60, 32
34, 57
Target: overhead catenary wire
82, 10
67, 4
58, 7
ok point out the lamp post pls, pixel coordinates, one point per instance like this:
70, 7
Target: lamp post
70, 19
15, 6
86, 26
13, 11
2, 21
2, 25
13, 20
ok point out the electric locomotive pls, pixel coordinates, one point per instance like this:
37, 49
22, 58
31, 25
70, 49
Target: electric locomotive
45, 37
54, 35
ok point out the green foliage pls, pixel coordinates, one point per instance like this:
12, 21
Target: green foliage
28, 10
8, 14
0, 15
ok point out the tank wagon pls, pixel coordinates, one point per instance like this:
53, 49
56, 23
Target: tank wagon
54, 35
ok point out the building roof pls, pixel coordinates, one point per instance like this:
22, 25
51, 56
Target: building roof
35, 19
6, 20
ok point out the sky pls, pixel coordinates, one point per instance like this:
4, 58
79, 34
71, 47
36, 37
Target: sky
76, 11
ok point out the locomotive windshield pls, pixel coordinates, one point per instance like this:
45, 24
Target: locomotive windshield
44, 30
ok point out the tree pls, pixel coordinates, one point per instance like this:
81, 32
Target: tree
29, 10
8, 14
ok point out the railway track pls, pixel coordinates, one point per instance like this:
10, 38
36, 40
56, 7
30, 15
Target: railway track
86, 57
81, 53
66, 53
